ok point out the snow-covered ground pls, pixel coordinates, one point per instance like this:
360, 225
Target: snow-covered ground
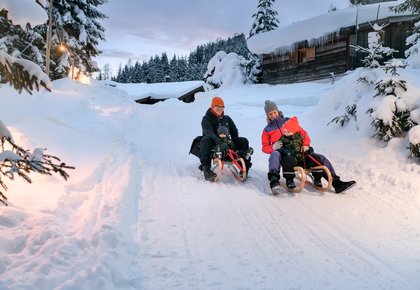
136, 212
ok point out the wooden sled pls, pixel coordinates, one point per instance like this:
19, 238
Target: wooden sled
301, 176
327, 172
235, 163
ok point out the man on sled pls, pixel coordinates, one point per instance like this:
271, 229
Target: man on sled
220, 132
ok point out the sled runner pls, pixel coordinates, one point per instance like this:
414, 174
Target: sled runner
231, 160
325, 173
300, 177
302, 180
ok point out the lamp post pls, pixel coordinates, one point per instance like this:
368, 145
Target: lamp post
49, 32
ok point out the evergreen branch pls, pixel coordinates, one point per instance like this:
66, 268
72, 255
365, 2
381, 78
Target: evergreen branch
21, 162
17, 75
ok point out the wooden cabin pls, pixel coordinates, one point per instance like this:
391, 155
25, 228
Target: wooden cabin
334, 52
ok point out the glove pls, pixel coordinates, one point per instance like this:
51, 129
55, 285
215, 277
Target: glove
277, 145
310, 151
223, 147
305, 148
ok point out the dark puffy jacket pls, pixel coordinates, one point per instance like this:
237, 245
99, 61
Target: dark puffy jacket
211, 122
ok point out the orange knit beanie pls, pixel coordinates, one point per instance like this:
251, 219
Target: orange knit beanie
217, 101
292, 125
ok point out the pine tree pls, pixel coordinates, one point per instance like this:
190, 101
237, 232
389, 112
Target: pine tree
174, 73
375, 50
408, 5
254, 69
77, 31
375, 55
21, 73
20, 42
192, 67
391, 107
164, 63
265, 19
414, 145
106, 72
183, 69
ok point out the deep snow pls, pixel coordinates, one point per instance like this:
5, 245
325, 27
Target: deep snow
137, 214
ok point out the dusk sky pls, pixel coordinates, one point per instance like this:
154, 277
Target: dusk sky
142, 29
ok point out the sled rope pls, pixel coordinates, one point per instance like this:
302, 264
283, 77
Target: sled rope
313, 159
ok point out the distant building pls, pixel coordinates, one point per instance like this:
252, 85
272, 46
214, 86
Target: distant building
322, 45
149, 94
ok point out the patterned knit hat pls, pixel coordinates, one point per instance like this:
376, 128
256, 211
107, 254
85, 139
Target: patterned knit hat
292, 125
270, 106
222, 130
217, 101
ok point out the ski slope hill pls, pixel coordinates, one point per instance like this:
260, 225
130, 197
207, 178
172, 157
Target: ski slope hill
137, 214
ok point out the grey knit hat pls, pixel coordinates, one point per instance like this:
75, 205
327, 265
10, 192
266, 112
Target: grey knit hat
270, 106
223, 130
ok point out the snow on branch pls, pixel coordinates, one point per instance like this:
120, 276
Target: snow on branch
21, 162
22, 73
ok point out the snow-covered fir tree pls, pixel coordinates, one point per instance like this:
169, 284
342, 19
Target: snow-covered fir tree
76, 35
19, 72
375, 51
265, 19
106, 72
253, 68
191, 67
225, 69
20, 42
391, 107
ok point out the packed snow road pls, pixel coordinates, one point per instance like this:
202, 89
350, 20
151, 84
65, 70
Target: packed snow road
196, 234
137, 214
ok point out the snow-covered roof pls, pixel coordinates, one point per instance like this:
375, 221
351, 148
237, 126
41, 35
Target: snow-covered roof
319, 26
158, 91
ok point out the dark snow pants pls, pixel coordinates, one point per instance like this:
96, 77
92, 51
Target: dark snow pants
207, 144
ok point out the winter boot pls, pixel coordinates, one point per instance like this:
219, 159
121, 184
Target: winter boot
317, 182
290, 184
274, 178
248, 165
209, 175
249, 153
340, 186
317, 175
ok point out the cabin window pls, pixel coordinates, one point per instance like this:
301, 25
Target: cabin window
302, 55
